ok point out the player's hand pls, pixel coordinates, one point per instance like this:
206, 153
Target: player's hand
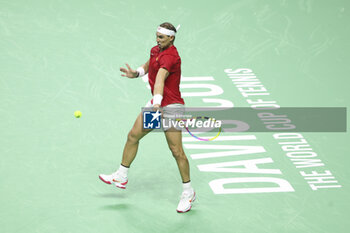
130, 73
157, 107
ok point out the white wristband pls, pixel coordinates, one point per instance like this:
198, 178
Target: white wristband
140, 71
157, 99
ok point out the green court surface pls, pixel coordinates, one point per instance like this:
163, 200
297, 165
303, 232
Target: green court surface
57, 57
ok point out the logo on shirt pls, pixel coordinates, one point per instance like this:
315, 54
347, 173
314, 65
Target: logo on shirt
151, 120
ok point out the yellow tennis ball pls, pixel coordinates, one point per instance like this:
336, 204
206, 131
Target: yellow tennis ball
77, 114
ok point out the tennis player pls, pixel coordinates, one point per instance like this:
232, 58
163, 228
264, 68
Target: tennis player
164, 72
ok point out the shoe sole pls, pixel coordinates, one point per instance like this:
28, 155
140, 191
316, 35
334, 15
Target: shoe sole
105, 181
118, 185
193, 199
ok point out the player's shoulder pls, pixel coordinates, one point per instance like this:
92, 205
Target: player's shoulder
155, 49
172, 51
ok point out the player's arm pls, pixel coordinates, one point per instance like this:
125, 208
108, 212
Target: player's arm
131, 73
159, 87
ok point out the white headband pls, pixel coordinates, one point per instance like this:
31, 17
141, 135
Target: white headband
166, 31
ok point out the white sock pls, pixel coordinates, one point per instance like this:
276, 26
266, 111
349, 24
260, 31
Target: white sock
123, 171
187, 187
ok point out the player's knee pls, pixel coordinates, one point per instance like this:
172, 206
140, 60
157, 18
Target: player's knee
133, 137
177, 152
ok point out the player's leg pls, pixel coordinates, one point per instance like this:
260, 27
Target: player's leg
132, 143
120, 177
174, 139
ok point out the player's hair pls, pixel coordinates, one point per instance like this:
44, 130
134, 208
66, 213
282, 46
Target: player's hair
169, 26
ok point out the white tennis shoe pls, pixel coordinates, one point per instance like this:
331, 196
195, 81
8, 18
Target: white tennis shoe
187, 198
115, 178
